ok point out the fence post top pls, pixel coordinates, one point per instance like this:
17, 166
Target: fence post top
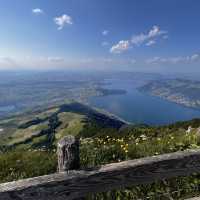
68, 154
67, 140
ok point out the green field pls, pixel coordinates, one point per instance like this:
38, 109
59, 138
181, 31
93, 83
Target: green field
30, 147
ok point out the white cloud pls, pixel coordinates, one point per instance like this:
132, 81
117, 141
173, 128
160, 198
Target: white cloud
195, 57
150, 43
149, 39
152, 34
138, 39
155, 31
105, 32
174, 60
123, 45
37, 11
153, 60
62, 21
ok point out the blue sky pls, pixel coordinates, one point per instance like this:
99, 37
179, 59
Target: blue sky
138, 35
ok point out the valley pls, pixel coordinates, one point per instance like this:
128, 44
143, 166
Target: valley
27, 91
115, 115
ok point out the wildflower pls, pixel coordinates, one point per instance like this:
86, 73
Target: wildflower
137, 140
194, 146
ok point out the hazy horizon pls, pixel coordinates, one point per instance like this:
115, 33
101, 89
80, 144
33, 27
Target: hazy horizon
146, 36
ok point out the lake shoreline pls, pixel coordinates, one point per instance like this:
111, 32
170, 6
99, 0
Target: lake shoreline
138, 107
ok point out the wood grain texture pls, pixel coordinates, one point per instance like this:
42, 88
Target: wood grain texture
68, 154
75, 184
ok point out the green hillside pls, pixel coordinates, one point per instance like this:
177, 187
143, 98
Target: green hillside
28, 146
43, 128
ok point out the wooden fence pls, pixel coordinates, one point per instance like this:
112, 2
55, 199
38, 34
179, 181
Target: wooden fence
72, 183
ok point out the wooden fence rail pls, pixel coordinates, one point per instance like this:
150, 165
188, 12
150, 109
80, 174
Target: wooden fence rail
69, 184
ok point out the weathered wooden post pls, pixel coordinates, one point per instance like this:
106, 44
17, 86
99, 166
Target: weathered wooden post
68, 154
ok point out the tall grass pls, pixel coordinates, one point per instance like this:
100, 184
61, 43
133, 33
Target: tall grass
105, 148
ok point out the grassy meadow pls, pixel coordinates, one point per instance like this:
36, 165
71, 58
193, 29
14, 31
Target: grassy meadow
32, 150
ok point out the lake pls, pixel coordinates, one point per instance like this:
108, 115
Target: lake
7, 108
137, 107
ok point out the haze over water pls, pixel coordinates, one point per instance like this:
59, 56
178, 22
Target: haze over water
138, 107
